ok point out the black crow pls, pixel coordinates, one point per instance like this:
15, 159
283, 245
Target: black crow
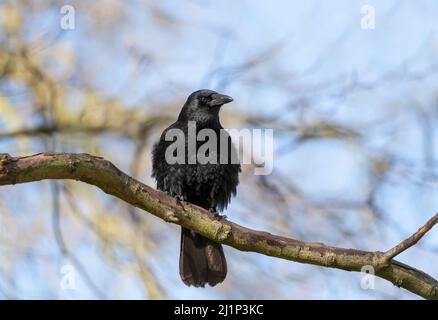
209, 185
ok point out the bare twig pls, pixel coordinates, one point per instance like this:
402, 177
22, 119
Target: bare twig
412, 240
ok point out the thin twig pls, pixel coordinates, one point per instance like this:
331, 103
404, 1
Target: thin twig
412, 240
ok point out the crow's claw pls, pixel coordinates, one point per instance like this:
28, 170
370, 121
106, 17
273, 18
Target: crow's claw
217, 215
221, 216
177, 197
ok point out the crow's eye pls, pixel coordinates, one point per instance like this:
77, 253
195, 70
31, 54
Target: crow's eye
205, 100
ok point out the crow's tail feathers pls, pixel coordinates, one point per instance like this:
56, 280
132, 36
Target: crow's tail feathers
201, 260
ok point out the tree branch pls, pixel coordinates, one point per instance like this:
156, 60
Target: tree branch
103, 174
412, 240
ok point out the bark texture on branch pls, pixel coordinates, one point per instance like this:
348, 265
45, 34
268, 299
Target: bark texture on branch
103, 174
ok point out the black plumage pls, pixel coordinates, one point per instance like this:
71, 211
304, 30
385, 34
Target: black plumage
209, 185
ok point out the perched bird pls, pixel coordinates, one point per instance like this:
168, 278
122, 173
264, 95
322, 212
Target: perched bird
208, 185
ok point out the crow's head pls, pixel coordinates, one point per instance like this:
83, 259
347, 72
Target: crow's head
203, 106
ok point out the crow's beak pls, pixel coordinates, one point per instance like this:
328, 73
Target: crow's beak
220, 99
